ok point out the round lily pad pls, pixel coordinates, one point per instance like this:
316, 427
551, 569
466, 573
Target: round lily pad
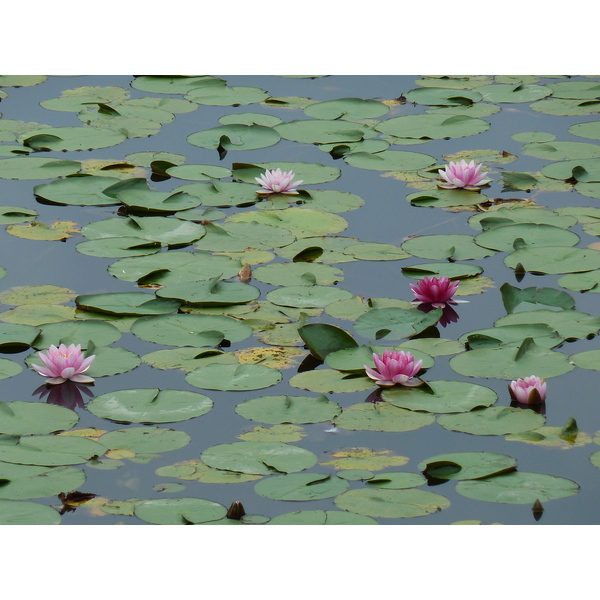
301, 296
233, 377
27, 513
441, 397
348, 109
455, 246
434, 126
33, 167
146, 439
127, 303
381, 417
467, 465
27, 481
390, 160
330, 381
322, 131
210, 293
321, 517
50, 450
235, 137
518, 488
301, 487
534, 235
259, 458
179, 511
496, 420
150, 405
391, 504
293, 274
396, 481
288, 409
77, 332
190, 330
395, 323
25, 418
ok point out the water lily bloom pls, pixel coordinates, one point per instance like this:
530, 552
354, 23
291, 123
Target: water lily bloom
463, 175
531, 390
64, 363
278, 182
393, 368
436, 291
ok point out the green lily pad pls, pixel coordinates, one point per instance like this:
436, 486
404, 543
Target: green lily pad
33, 167
301, 487
441, 198
442, 97
396, 481
179, 511
117, 247
174, 267
495, 420
562, 150
77, 332
395, 323
16, 214
433, 126
50, 450
171, 232
512, 297
349, 109
325, 381
259, 458
570, 324
506, 215
174, 84
237, 237
589, 359
143, 440
235, 137
321, 517
510, 362
288, 409
308, 173
391, 504
450, 270
220, 95
381, 417
467, 465
507, 93
127, 303
554, 259
518, 488
210, 293
190, 330
301, 296
441, 397
457, 246
390, 160
322, 131
355, 358
512, 335
221, 193
153, 202
72, 138
112, 361
293, 274
27, 513
150, 405
26, 481
25, 418
534, 235
16, 337
198, 172
233, 377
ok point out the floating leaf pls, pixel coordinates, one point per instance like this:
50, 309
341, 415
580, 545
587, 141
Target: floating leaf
58, 231
301, 487
26, 481
259, 458
554, 259
127, 303
25, 418
395, 323
50, 450
391, 504
441, 397
33, 167
233, 377
146, 439
27, 513
381, 417
321, 517
467, 465
288, 409
455, 246
518, 488
495, 420
179, 511
150, 405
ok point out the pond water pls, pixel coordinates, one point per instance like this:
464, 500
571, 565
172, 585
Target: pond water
318, 460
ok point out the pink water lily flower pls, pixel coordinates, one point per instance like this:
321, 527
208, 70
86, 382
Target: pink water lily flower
64, 363
436, 291
530, 390
462, 175
278, 182
393, 368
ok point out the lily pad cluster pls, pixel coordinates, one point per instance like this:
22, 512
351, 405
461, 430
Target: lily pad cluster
234, 288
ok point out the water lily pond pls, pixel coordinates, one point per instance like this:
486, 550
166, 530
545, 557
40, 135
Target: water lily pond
232, 322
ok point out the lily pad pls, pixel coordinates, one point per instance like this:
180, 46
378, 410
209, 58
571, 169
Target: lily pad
518, 488
50, 450
26, 481
495, 420
554, 259
150, 405
233, 377
457, 246
288, 409
33, 167
127, 303
259, 458
235, 137
467, 465
179, 511
27, 513
395, 323
210, 293
434, 126
441, 397
534, 235
301, 487
381, 417
143, 440
25, 418
392, 504
321, 517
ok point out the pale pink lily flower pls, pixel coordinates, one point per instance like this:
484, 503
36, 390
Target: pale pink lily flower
530, 390
463, 175
436, 291
394, 368
64, 363
278, 182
